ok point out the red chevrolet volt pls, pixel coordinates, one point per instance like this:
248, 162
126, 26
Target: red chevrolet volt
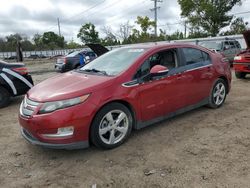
123, 89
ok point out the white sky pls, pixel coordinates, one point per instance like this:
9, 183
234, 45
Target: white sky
38, 16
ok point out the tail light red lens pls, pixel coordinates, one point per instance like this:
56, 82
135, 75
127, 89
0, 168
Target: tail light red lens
21, 70
65, 60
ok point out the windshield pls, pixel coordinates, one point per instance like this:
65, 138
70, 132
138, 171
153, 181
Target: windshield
212, 45
113, 62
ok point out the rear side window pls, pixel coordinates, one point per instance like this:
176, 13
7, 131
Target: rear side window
193, 55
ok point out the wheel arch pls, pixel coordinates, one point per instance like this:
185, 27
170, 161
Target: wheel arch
123, 102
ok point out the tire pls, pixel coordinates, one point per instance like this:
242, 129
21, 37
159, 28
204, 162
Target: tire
218, 94
4, 97
240, 75
105, 132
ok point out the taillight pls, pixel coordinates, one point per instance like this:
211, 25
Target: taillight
21, 70
65, 60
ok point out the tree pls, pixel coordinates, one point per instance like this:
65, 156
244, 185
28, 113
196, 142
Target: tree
238, 26
52, 40
88, 34
209, 15
145, 23
110, 39
124, 32
73, 45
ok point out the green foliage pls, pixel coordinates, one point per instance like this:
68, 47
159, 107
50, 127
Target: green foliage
145, 23
52, 40
210, 16
238, 26
73, 45
88, 34
175, 36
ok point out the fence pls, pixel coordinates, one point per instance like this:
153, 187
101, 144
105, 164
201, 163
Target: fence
197, 41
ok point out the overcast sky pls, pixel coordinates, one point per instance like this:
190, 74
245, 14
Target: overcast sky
37, 16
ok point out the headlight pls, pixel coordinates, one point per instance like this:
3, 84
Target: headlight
237, 58
52, 106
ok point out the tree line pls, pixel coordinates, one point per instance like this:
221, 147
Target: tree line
202, 18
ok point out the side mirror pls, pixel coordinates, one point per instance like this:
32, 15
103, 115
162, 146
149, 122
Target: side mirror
158, 70
87, 59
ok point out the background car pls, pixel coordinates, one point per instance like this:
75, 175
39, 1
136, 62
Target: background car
124, 89
241, 63
72, 60
14, 80
229, 47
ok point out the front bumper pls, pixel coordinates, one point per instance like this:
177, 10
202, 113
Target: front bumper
59, 66
30, 138
39, 128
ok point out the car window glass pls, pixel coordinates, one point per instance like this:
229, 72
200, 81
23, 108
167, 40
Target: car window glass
192, 55
115, 61
167, 58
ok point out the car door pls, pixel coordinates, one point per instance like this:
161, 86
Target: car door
158, 96
198, 73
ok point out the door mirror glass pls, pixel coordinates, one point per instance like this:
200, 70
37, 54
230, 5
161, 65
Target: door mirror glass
158, 70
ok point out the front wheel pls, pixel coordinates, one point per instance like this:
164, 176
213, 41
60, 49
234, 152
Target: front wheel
218, 94
240, 75
111, 126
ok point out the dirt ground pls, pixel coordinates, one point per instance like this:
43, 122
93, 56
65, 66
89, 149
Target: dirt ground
201, 148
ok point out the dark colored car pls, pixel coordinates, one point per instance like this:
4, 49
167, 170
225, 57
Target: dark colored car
14, 81
241, 63
124, 89
229, 47
72, 60
36, 56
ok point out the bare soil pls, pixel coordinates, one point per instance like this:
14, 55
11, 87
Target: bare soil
201, 148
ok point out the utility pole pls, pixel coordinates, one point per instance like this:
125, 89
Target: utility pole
185, 29
155, 10
59, 28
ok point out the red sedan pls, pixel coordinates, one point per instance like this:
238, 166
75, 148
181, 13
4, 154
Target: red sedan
241, 62
124, 89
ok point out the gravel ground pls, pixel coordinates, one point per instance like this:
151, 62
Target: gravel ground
201, 148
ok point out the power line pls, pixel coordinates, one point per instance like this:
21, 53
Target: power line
155, 10
246, 12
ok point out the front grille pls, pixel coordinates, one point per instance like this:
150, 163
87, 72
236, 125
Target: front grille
28, 107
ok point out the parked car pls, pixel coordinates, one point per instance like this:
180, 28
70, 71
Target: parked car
14, 80
36, 56
124, 89
72, 60
229, 48
241, 63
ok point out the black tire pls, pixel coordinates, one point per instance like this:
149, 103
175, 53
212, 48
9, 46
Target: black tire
212, 103
240, 75
4, 97
100, 120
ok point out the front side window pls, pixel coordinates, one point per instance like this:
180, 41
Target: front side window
114, 62
167, 58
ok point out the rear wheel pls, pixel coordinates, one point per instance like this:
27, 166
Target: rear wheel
111, 126
218, 94
4, 97
240, 75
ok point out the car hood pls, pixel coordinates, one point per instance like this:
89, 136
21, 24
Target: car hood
246, 35
68, 85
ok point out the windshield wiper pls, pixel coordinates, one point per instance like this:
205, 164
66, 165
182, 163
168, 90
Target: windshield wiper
96, 70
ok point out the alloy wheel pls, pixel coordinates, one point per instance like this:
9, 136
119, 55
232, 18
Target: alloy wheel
113, 127
219, 93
